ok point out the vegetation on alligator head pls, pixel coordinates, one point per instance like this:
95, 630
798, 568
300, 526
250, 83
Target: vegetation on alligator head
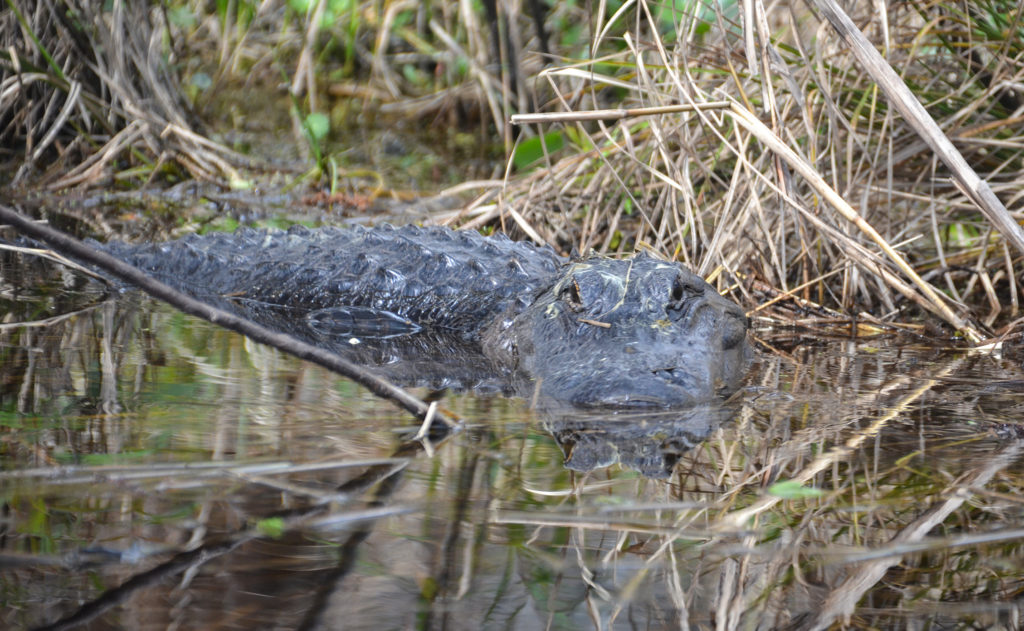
594, 331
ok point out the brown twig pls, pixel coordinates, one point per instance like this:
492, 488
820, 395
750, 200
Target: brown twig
73, 248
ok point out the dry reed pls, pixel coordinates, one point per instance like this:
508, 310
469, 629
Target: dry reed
86, 93
810, 185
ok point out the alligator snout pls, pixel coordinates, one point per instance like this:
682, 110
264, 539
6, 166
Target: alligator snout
734, 327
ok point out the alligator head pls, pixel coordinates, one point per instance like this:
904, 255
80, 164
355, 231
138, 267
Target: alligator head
625, 333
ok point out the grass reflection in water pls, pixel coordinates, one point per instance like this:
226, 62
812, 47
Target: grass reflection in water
157, 470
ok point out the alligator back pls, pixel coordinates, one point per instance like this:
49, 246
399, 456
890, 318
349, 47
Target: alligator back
376, 282
593, 331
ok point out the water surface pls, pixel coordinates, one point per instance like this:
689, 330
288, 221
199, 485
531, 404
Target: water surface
158, 472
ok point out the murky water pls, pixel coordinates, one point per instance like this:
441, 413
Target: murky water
158, 472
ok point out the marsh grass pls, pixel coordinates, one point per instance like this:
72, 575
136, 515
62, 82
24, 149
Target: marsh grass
806, 196
707, 188
88, 98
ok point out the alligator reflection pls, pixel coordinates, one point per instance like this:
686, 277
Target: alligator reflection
650, 443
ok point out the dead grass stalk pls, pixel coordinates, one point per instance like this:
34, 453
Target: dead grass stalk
858, 174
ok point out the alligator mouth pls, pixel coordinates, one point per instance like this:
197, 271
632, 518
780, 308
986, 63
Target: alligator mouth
628, 401
663, 388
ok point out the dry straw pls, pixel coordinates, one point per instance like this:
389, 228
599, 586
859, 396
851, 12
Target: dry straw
86, 91
866, 195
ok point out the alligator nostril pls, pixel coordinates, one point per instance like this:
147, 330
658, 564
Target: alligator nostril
734, 330
737, 312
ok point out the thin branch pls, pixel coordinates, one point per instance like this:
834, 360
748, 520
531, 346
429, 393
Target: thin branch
71, 247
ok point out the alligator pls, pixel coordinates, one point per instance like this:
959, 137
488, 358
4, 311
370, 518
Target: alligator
589, 331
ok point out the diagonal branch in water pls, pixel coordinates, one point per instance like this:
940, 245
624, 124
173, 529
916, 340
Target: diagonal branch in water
387, 474
72, 248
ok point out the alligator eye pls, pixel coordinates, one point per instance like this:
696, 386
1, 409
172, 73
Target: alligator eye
570, 295
678, 292
683, 289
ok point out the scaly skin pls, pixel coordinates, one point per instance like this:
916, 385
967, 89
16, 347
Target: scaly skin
590, 332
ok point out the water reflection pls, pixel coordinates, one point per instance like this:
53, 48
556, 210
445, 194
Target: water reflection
650, 442
157, 472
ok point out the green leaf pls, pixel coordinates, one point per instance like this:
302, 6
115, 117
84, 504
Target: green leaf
271, 527
579, 139
413, 75
221, 223
182, 17
317, 125
201, 81
793, 490
531, 149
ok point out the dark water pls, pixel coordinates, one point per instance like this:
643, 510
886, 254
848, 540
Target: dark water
158, 472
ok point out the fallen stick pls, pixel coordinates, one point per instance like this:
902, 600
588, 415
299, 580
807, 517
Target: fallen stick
117, 268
